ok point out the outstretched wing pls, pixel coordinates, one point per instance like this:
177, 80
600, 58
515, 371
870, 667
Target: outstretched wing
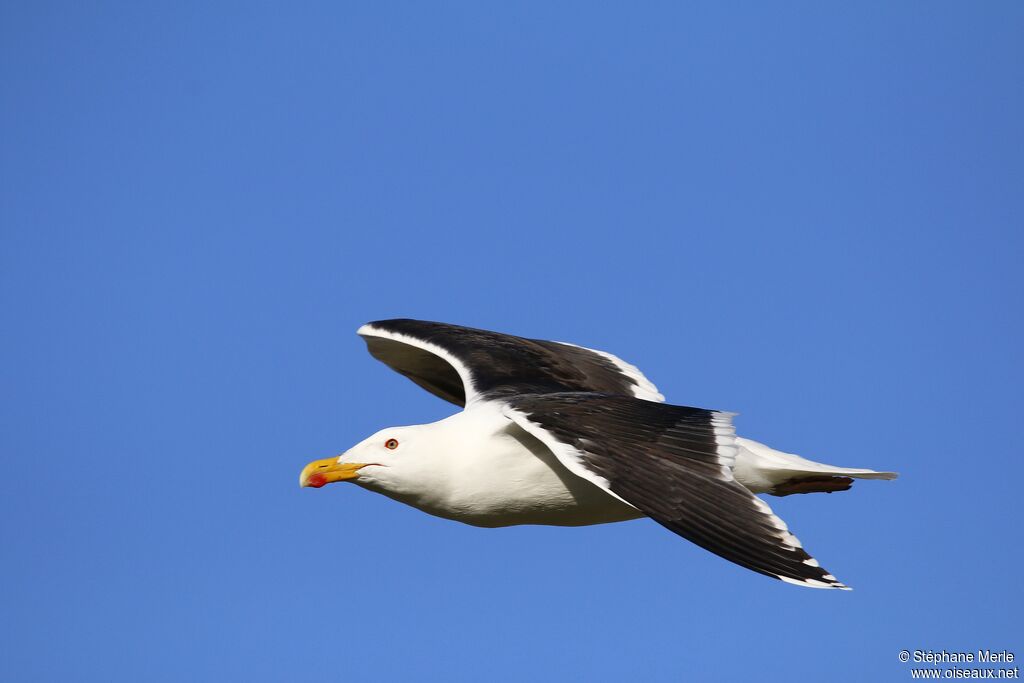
460, 364
674, 464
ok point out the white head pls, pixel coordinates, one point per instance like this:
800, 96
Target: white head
396, 461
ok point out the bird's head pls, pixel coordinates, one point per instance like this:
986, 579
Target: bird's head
388, 454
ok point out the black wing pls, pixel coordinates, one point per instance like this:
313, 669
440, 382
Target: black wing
462, 363
674, 464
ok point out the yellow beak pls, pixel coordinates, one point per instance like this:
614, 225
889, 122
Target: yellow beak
320, 472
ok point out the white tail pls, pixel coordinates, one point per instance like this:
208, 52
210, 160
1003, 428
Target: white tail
766, 470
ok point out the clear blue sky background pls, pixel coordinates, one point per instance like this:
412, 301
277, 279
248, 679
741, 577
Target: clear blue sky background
810, 214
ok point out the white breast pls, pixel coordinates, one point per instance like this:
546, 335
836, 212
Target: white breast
492, 473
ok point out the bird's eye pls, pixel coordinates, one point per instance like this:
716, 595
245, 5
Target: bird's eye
391, 444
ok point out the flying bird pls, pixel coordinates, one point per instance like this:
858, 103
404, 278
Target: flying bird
554, 433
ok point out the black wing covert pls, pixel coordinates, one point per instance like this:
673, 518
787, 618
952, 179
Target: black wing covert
459, 363
674, 464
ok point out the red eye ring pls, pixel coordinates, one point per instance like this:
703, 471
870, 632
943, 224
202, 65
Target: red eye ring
391, 444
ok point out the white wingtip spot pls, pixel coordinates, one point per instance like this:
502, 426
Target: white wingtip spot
813, 583
810, 561
777, 521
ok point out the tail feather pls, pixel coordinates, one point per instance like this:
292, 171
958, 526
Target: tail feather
766, 470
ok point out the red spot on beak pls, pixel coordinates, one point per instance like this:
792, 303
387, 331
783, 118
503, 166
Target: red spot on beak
316, 480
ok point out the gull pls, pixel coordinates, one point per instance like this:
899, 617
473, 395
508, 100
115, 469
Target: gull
558, 434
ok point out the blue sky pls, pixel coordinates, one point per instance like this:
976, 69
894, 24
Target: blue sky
807, 213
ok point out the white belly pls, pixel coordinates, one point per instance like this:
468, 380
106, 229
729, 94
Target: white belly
524, 483
499, 475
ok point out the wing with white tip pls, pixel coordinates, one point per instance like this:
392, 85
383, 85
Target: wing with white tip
461, 364
674, 464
